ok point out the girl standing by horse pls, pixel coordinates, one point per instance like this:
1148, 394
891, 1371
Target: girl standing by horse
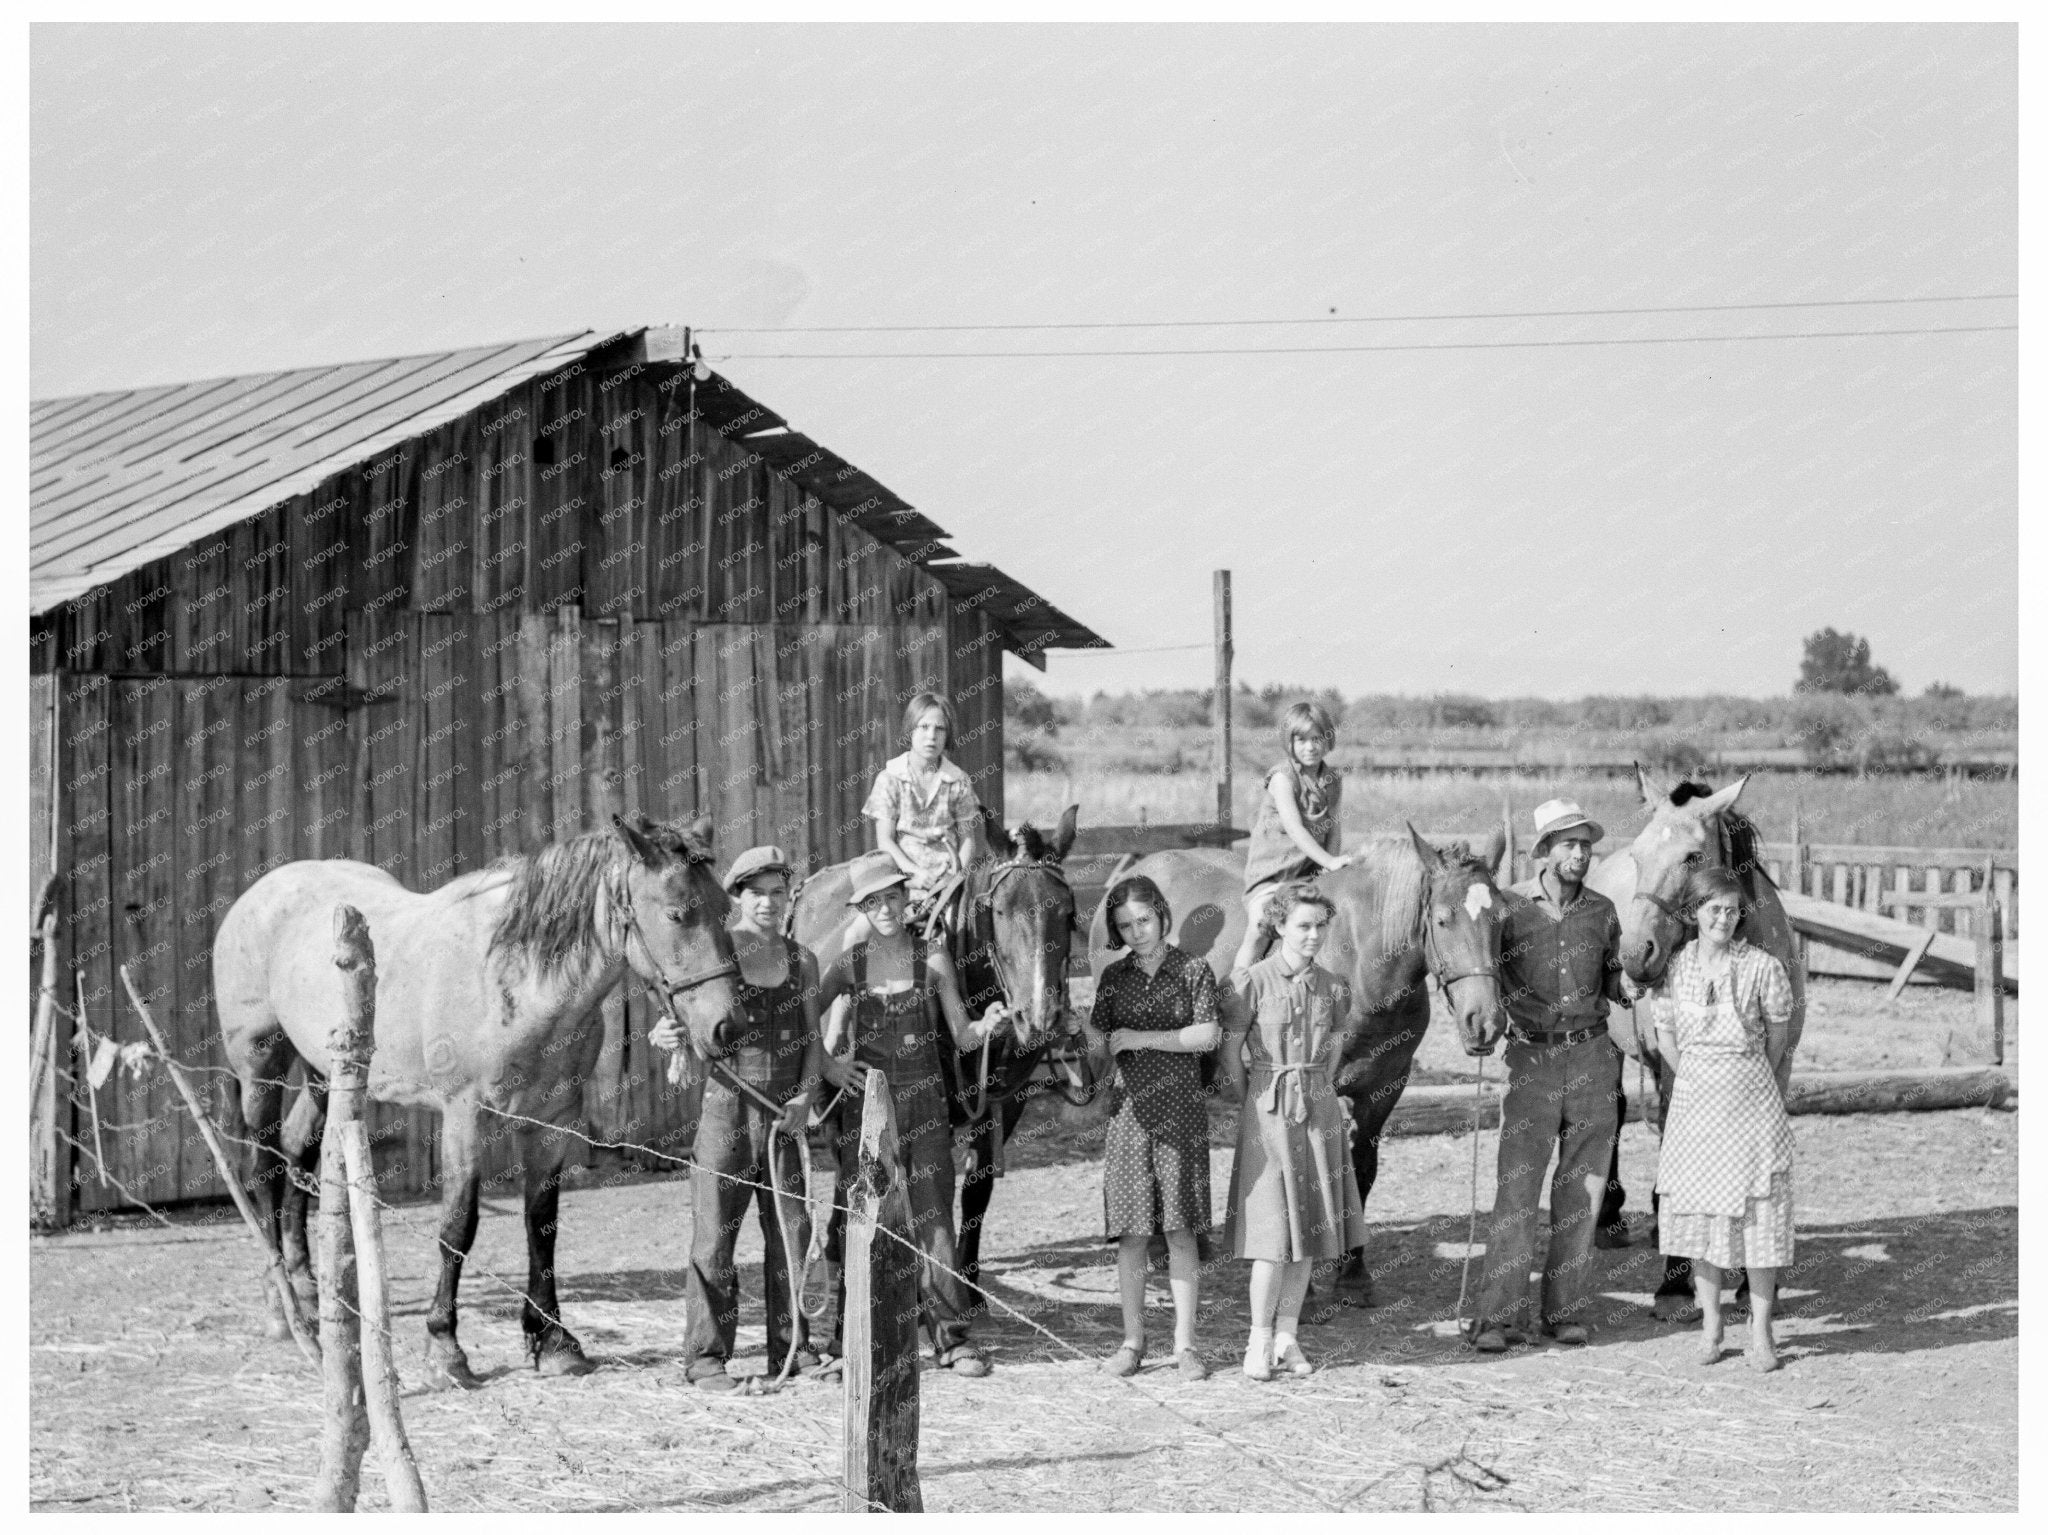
926, 814
1724, 1176
1293, 1192
1157, 1007
894, 985
1299, 828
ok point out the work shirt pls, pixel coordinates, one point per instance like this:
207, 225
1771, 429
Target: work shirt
1559, 965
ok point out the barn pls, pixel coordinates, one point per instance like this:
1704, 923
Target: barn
425, 611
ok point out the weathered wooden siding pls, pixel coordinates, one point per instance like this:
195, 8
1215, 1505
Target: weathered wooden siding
576, 601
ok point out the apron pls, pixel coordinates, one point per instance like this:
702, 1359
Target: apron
1726, 1134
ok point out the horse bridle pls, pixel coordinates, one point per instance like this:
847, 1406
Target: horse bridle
983, 902
1432, 958
621, 897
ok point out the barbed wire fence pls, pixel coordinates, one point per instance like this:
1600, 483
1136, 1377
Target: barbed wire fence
140, 1055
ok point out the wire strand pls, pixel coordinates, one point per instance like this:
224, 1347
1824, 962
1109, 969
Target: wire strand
1349, 319
1392, 346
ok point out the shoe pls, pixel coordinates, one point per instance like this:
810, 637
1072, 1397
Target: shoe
1192, 1365
1124, 1361
1570, 1334
806, 1361
963, 1359
1259, 1365
1491, 1340
719, 1382
829, 1365
1294, 1361
1611, 1238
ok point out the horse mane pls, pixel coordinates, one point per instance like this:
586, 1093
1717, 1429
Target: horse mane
1739, 836
550, 917
1395, 872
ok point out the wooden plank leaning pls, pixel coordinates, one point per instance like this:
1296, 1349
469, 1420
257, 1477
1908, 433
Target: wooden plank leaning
274, 1274
882, 1266
361, 1395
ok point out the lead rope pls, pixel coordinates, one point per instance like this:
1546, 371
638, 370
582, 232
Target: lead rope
796, 1270
1472, 1220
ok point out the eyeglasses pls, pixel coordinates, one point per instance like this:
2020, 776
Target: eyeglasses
1718, 913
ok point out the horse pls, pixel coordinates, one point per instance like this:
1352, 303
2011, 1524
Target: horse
487, 1003
1011, 944
1691, 826
1404, 909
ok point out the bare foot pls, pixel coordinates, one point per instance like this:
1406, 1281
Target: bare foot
1710, 1344
1763, 1350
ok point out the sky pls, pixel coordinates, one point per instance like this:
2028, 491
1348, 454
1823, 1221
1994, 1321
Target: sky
1439, 513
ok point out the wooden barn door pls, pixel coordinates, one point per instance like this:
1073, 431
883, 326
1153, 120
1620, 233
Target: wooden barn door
179, 795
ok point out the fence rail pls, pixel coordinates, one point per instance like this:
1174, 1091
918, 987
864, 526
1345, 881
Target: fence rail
1938, 888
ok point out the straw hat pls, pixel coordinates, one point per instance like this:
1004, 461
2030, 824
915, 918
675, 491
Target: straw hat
1562, 815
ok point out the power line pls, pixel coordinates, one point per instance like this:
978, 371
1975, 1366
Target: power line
1407, 346
1357, 319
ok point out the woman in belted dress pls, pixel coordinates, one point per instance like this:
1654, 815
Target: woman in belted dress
899, 991
1293, 1195
1156, 1013
1724, 1174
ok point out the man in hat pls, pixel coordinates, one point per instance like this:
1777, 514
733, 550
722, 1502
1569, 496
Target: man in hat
745, 1151
1560, 969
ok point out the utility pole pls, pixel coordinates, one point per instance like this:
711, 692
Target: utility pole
1219, 711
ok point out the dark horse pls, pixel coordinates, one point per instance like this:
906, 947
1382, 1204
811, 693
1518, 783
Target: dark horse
1404, 909
1011, 943
488, 993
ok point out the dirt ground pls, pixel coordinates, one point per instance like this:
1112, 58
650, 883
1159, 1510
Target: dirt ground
152, 1387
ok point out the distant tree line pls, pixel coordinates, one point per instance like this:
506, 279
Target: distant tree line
1843, 706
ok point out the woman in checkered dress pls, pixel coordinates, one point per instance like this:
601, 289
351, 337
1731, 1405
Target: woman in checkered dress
1724, 1176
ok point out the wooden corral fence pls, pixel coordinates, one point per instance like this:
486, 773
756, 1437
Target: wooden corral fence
1968, 762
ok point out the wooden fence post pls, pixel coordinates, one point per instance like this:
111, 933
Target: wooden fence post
1802, 863
1507, 874
880, 1325
49, 1165
358, 962
1991, 973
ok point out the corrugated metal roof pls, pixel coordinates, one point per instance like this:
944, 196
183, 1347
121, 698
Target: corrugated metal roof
118, 480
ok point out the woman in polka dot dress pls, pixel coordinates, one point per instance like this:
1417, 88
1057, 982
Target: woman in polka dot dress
1156, 1013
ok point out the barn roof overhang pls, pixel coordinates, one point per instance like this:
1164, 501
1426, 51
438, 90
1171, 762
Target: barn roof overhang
120, 479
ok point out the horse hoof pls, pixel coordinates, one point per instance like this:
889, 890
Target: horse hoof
276, 1328
1674, 1308
448, 1369
557, 1352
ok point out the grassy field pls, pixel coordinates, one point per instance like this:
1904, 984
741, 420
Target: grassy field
1908, 810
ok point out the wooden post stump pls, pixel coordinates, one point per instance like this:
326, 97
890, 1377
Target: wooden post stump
355, 1321
1990, 976
880, 1325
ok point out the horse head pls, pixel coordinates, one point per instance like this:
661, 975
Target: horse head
669, 898
1684, 833
1022, 921
1461, 929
